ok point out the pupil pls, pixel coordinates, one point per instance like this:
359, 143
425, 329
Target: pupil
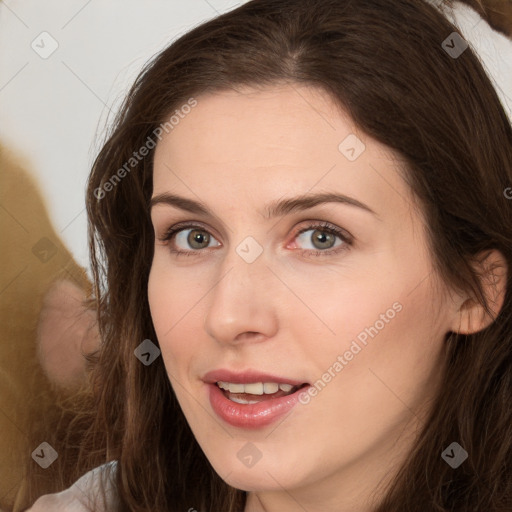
322, 240
198, 237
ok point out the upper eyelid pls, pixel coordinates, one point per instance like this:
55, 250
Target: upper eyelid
180, 226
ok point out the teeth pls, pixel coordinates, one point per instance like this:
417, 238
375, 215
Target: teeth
235, 388
270, 387
255, 388
242, 401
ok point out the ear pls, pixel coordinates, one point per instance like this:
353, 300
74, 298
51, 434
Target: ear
471, 316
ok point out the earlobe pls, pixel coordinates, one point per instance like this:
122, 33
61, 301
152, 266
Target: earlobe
493, 272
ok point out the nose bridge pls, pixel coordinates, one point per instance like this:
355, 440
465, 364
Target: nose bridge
241, 299
243, 267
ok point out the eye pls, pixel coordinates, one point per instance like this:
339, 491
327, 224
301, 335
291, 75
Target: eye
322, 239
193, 238
189, 239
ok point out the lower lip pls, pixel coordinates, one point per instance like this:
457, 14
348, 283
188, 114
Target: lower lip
251, 416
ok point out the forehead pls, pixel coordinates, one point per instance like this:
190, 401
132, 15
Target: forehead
272, 142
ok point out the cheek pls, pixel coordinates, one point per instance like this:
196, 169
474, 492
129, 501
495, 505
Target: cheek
378, 385
390, 349
177, 300
340, 307
378, 334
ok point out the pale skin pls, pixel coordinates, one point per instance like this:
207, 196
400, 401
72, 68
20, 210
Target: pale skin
67, 331
291, 312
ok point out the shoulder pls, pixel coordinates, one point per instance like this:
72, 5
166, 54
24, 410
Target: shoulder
85, 495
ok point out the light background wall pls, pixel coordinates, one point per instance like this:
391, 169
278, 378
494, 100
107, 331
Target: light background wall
53, 110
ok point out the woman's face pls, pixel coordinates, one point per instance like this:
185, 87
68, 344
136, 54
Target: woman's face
280, 275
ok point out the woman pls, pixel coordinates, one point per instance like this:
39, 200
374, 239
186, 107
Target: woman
301, 243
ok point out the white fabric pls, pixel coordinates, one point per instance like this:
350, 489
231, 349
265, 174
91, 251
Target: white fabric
492, 47
83, 496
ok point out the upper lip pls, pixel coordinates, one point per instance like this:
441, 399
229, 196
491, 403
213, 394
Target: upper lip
247, 377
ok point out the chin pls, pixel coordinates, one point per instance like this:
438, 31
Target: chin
255, 482
260, 477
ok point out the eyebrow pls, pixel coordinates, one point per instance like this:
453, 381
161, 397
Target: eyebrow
274, 209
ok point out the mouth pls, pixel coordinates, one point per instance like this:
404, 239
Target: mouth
256, 392
251, 400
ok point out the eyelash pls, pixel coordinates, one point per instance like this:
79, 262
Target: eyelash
325, 227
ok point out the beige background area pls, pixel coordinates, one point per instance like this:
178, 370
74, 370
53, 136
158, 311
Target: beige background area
32, 258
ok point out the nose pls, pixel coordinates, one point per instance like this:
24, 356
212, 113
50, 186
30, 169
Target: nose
242, 305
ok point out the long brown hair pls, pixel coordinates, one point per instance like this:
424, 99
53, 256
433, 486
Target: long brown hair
383, 62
